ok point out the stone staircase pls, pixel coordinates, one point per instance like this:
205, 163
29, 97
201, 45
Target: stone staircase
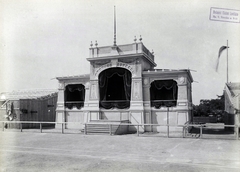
106, 127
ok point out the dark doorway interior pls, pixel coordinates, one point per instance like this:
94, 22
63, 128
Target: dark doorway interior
115, 88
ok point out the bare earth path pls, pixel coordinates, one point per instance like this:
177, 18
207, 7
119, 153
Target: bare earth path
76, 152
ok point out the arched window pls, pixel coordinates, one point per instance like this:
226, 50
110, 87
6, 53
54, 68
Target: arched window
115, 88
163, 93
74, 96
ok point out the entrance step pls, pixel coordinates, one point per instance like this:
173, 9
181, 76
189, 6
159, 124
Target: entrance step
106, 127
189, 135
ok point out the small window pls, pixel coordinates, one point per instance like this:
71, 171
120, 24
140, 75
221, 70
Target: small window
74, 96
163, 93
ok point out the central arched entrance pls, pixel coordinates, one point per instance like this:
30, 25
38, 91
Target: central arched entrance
115, 88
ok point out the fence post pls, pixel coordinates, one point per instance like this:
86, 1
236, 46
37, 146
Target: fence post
201, 131
168, 122
40, 127
168, 130
62, 128
21, 127
183, 132
110, 129
237, 132
137, 129
85, 128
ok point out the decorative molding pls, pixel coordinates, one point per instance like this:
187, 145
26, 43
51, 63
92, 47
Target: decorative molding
136, 90
181, 80
101, 68
99, 63
87, 84
126, 66
113, 64
93, 94
136, 104
146, 104
159, 79
128, 60
93, 105
61, 85
146, 81
92, 70
182, 104
136, 65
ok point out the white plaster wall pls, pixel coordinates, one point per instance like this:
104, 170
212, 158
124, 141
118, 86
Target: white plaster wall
136, 117
114, 115
75, 119
175, 118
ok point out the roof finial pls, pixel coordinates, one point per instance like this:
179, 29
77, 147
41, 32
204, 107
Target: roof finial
96, 44
91, 44
140, 39
135, 39
114, 39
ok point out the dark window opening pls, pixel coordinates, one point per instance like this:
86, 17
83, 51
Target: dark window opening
74, 96
117, 92
115, 88
163, 93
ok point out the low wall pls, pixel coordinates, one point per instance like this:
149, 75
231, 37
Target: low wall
74, 118
163, 118
114, 115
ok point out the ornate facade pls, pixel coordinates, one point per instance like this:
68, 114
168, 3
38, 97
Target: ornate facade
123, 84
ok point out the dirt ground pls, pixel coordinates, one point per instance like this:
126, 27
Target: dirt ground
31, 151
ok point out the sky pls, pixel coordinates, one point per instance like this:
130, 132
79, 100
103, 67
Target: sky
44, 39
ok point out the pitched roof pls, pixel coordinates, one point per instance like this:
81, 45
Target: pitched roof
28, 94
74, 77
234, 88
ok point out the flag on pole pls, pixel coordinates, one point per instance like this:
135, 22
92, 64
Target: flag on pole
219, 54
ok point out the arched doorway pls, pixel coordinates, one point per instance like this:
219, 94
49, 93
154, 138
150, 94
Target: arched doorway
115, 88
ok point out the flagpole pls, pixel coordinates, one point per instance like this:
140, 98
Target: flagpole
114, 39
227, 61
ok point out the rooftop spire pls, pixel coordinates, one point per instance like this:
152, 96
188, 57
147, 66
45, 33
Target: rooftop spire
114, 39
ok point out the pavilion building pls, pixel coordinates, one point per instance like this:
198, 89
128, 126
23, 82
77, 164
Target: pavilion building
123, 85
